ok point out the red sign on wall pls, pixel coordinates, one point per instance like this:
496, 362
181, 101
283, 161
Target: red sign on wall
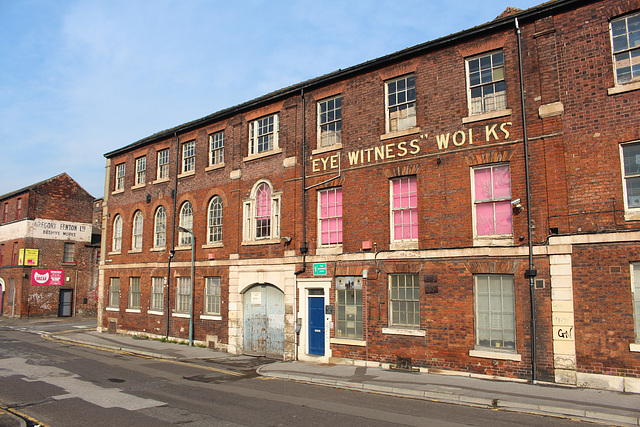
47, 277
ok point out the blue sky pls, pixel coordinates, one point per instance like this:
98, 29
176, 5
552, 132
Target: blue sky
79, 78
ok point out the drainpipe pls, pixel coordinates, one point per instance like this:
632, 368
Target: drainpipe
173, 231
531, 272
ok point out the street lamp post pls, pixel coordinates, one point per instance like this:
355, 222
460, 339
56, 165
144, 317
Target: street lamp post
193, 246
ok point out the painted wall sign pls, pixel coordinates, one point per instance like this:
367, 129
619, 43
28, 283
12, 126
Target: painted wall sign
60, 230
47, 277
28, 257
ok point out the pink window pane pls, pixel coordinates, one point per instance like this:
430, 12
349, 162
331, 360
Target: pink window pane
263, 201
501, 182
503, 217
331, 216
405, 211
482, 181
484, 219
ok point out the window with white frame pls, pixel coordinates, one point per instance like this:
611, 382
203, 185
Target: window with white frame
157, 293
216, 149
486, 88
183, 295
212, 295
160, 228
631, 166
635, 290
120, 170
330, 121
116, 245
330, 216
188, 156
625, 41
114, 292
263, 134
404, 208
134, 292
262, 214
349, 307
141, 170
495, 319
163, 164
68, 252
401, 103
214, 229
492, 200
136, 237
404, 295
186, 221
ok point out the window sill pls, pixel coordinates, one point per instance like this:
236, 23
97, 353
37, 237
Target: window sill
344, 341
261, 242
269, 153
329, 250
69, 264
400, 245
400, 331
493, 241
161, 180
214, 167
132, 310
157, 313
628, 87
487, 116
134, 251
186, 174
210, 317
112, 309
634, 347
396, 134
492, 354
183, 248
158, 249
212, 245
631, 216
114, 253
120, 191
327, 149
139, 186
182, 315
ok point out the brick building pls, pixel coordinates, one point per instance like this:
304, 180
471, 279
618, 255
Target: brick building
469, 204
48, 250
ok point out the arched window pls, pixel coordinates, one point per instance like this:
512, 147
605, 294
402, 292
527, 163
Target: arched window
160, 228
117, 234
262, 213
214, 230
186, 221
136, 237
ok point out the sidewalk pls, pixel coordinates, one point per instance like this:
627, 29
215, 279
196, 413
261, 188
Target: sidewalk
602, 406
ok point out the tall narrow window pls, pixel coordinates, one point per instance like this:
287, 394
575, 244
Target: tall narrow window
120, 170
19, 209
114, 292
216, 148
330, 215
492, 200
186, 221
404, 208
160, 228
138, 227
487, 89
263, 211
157, 293
261, 214
495, 312
349, 307
405, 300
188, 156
635, 290
631, 166
117, 234
134, 292
330, 121
625, 40
263, 134
14, 255
214, 230
141, 170
183, 299
68, 252
212, 295
1, 255
401, 103
163, 164
5, 215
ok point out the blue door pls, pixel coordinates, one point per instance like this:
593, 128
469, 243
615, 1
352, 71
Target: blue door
316, 325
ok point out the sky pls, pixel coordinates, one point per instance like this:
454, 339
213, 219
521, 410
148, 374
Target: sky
80, 78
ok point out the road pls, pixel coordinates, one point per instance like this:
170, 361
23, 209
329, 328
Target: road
59, 384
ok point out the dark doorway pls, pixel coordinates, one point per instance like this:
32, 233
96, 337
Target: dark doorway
66, 298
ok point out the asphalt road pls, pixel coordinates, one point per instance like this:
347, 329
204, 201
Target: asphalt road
59, 384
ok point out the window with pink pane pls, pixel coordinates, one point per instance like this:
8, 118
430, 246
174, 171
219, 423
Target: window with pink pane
492, 200
331, 216
263, 211
404, 208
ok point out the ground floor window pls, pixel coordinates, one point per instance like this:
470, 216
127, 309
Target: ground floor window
349, 307
212, 295
114, 292
404, 292
495, 312
183, 295
157, 293
635, 289
134, 292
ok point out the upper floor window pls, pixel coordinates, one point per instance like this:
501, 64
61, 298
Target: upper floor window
625, 39
120, 169
330, 122
186, 221
631, 166
68, 252
401, 103
136, 238
495, 319
404, 208
188, 156
5, 215
14, 256
163, 164
486, 88
635, 291
262, 213
160, 228
1, 255
216, 149
141, 170
263, 134
330, 216
117, 234
492, 200
404, 296
212, 295
19, 209
214, 229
